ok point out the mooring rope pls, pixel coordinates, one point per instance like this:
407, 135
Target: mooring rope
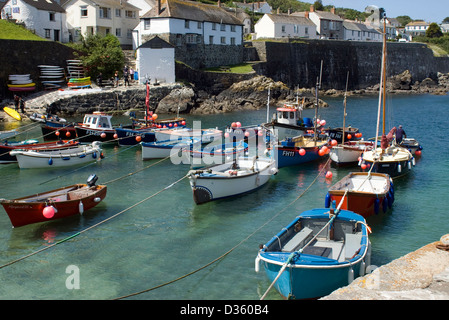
93, 226
233, 248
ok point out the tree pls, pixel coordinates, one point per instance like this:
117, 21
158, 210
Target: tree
446, 20
434, 31
404, 20
318, 5
101, 54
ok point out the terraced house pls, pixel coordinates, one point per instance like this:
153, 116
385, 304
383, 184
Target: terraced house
204, 35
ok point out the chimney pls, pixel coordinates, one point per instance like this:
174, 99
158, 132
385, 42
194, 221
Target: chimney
306, 14
312, 8
333, 10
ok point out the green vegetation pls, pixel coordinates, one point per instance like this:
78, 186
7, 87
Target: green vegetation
439, 45
238, 68
100, 54
12, 31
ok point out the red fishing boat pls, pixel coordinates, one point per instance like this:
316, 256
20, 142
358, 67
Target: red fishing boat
365, 193
55, 204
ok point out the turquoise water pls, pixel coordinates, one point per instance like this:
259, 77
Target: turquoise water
168, 237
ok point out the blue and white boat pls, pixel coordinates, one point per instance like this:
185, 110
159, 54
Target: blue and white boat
317, 253
300, 149
168, 148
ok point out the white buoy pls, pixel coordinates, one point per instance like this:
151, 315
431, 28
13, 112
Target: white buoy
350, 276
362, 268
399, 168
257, 264
81, 207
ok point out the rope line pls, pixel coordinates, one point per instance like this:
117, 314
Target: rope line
93, 226
232, 249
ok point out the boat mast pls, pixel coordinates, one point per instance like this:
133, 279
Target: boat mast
344, 110
382, 84
268, 105
318, 86
384, 53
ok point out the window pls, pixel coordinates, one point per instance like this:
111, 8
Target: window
214, 26
191, 38
211, 39
187, 24
129, 33
83, 11
105, 13
118, 32
146, 24
130, 14
222, 27
51, 16
199, 25
47, 33
118, 13
306, 30
223, 40
232, 41
232, 28
283, 29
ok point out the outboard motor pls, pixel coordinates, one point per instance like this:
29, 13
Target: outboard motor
92, 180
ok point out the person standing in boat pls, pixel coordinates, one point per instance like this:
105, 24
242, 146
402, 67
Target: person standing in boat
16, 102
400, 134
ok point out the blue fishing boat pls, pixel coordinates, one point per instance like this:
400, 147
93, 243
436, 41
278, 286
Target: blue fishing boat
318, 252
298, 150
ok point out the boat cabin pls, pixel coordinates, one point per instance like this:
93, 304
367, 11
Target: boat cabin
97, 120
289, 114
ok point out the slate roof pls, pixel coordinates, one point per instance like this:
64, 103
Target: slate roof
327, 15
191, 10
351, 25
290, 19
46, 5
156, 43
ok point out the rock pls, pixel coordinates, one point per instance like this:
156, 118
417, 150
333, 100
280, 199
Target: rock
178, 100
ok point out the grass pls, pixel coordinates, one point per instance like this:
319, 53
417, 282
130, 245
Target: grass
12, 31
238, 68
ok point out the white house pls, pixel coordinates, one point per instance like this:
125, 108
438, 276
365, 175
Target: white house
357, 31
156, 61
328, 24
117, 17
285, 25
143, 5
45, 17
417, 28
190, 22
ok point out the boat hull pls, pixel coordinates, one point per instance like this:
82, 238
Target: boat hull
372, 194
395, 161
91, 135
27, 212
348, 154
208, 187
57, 159
164, 149
313, 271
127, 136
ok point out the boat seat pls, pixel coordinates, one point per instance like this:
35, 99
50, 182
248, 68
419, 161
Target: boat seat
297, 240
352, 244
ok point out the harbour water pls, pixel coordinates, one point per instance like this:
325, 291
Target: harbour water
143, 237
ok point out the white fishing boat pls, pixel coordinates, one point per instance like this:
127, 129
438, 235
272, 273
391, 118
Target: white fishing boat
230, 179
6, 134
349, 152
82, 154
345, 151
167, 148
206, 135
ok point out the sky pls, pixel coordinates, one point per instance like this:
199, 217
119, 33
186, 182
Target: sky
428, 10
